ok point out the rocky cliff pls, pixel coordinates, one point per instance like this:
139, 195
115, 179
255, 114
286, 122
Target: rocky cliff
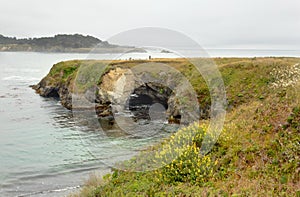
123, 86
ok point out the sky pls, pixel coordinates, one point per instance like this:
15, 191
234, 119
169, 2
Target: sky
253, 24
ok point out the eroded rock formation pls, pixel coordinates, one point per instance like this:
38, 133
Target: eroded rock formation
135, 90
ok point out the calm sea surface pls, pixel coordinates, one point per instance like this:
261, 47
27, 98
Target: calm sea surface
43, 152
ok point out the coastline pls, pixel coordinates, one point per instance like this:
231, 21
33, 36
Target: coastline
247, 91
249, 109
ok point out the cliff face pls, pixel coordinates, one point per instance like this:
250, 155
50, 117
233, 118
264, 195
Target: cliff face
60, 90
124, 86
59, 82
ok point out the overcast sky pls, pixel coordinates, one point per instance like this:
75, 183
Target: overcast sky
212, 23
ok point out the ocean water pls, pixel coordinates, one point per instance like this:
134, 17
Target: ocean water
40, 146
43, 151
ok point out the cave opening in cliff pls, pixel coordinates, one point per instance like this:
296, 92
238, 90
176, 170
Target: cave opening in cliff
147, 97
53, 92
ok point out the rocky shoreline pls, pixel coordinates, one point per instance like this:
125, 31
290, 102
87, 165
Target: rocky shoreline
123, 88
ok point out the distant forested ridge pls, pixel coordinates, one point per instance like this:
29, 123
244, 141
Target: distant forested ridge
59, 43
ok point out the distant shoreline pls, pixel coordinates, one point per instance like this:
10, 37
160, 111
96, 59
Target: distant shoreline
63, 43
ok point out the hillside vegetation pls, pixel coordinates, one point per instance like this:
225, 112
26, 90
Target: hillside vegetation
257, 154
59, 43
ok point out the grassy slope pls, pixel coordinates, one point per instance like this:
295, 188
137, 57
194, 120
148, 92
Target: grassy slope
257, 154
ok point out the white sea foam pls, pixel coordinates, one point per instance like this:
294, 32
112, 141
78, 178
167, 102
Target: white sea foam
19, 78
22, 70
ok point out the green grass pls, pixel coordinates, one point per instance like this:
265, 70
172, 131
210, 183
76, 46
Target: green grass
257, 154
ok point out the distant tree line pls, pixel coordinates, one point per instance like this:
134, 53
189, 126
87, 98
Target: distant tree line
60, 41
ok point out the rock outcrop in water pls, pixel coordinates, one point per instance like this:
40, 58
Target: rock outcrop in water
123, 86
